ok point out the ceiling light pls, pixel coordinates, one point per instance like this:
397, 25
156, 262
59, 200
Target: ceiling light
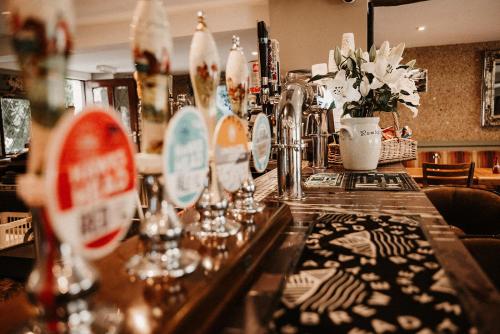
421, 28
6, 13
106, 69
254, 53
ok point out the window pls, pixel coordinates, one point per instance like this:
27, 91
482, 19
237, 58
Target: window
74, 94
16, 120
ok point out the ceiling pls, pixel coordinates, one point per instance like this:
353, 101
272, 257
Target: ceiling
445, 21
102, 27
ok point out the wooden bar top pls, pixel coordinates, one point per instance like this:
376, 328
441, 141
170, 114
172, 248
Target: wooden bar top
191, 304
477, 294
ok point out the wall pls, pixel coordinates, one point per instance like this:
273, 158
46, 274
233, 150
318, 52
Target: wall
450, 111
308, 29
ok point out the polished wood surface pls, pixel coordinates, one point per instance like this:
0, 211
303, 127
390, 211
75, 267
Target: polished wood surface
191, 304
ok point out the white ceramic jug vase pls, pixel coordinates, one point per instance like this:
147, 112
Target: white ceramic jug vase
360, 142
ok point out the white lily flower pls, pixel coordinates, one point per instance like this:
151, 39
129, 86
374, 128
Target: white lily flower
332, 65
342, 89
381, 70
384, 50
406, 84
326, 100
395, 55
385, 66
365, 56
365, 86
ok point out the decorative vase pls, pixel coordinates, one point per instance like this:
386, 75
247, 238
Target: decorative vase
360, 142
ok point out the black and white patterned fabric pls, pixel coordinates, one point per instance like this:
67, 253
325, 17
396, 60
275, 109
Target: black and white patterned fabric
372, 181
368, 274
325, 180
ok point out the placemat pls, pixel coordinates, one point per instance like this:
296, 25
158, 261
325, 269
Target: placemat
368, 274
380, 181
324, 180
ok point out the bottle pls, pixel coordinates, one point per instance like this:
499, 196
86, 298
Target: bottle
496, 166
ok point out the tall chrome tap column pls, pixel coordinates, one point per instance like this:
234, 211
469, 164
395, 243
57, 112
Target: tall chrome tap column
296, 96
160, 230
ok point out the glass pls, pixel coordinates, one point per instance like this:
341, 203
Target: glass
73, 94
100, 96
16, 117
122, 105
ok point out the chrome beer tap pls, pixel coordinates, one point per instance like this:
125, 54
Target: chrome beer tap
319, 126
295, 98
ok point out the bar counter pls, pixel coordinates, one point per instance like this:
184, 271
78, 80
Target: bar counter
158, 306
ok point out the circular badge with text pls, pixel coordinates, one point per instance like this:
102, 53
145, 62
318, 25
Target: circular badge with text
261, 142
91, 182
231, 152
185, 157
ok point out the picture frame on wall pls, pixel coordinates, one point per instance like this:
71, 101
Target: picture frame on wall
490, 97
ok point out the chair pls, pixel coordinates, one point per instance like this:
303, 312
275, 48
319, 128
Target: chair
444, 174
486, 251
471, 212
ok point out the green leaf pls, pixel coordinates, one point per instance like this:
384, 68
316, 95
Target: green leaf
320, 76
349, 64
372, 53
338, 56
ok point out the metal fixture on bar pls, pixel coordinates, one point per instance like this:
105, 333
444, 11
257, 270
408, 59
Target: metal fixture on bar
295, 98
319, 127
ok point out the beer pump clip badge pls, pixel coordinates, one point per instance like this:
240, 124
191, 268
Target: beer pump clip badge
231, 152
261, 142
91, 182
185, 157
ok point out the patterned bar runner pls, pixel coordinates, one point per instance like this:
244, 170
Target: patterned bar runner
369, 274
380, 181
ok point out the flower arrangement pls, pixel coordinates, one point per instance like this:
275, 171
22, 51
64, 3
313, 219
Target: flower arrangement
361, 83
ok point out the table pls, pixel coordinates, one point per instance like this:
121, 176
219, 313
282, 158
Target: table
482, 176
478, 296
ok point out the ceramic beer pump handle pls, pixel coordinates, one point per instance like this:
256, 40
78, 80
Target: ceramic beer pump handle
204, 74
244, 207
160, 229
42, 40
